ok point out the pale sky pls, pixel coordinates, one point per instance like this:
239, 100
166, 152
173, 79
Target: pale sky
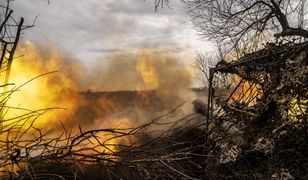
89, 30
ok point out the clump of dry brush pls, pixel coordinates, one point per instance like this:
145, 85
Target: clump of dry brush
174, 151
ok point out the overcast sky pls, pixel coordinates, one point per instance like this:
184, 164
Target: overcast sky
90, 29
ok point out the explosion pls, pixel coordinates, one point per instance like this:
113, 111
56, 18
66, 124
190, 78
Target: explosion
57, 90
46, 92
158, 83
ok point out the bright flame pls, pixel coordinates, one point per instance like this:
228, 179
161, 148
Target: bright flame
53, 90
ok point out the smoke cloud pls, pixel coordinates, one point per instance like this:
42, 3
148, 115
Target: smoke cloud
130, 89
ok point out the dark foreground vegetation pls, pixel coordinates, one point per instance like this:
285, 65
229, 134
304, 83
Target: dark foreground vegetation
180, 153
